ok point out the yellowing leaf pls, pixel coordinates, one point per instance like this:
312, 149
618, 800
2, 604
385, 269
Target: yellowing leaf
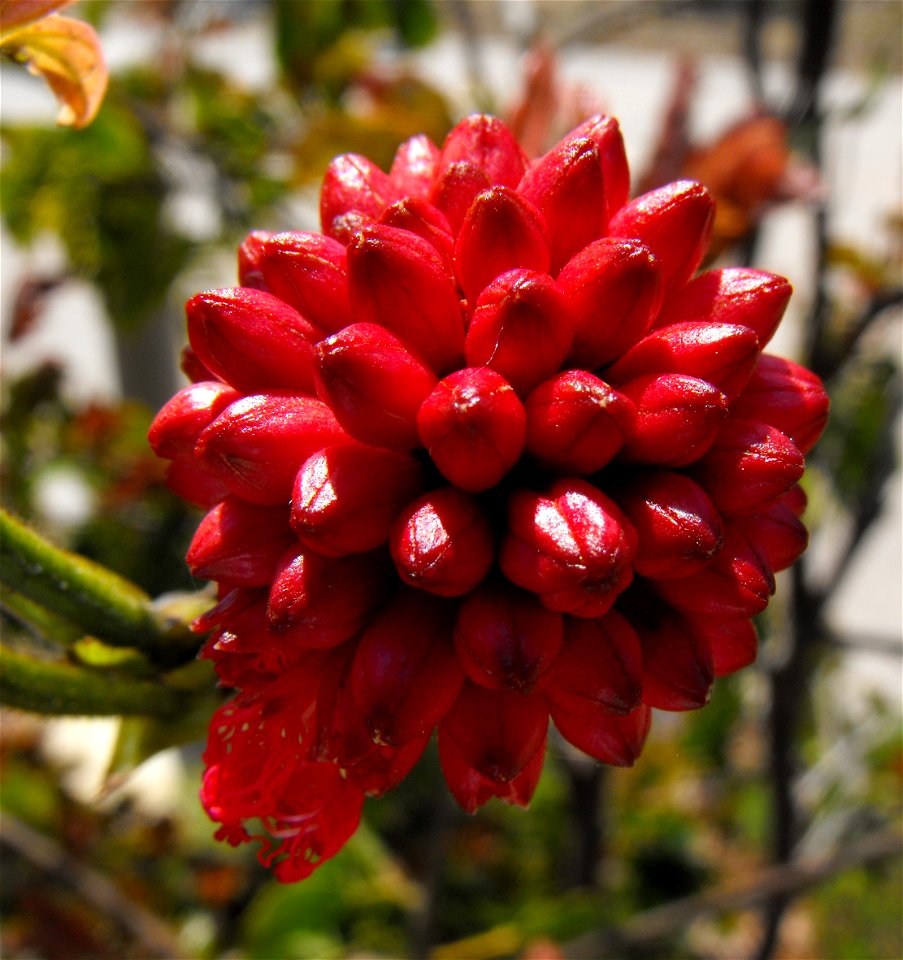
15, 14
67, 54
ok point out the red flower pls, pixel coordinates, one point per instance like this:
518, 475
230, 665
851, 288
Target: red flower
484, 454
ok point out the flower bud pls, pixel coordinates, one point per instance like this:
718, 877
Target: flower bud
354, 193
455, 190
501, 231
521, 328
749, 466
573, 548
192, 367
607, 737
239, 544
345, 498
567, 187
471, 789
678, 528
383, 768
427, 221
487, 143
315, 602
251, 339
414, 167
506, 640
576, 423
606, 134
777, 533
498, 732
796, 499
405, 675
373, 383
614, 289
735, 295
677, 661
736, 583
676, 419
442, 543
473, 426
786, 396
722, 353
249, 256
176, 428
309, 272
675, 223
399, 281
192, 481
256, 444
734, 643
599, 666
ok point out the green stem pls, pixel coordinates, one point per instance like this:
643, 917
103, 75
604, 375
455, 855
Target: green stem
40, 620
95, 599
56, 687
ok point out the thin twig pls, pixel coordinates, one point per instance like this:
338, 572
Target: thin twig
784, 881
148, 931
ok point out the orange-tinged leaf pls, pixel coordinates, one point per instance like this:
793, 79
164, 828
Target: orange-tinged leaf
16, 14
67, 54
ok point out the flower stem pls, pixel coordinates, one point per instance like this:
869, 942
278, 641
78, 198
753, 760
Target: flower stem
57, 687
88, 595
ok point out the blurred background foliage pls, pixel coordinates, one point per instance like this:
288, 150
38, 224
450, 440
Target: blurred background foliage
182, 161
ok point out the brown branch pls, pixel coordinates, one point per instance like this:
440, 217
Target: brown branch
784, 881
150, 932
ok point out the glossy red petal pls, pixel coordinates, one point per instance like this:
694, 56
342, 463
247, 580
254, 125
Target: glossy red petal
678, 528
405, 675
473, 426
471, 789
309, 272
239, 543
399, 280
505, 639
498, 732
521, 328
786, 396
256, 445
501, 231
599, 667
442, 543
736, 583
572, 547
607, 737
749, 467
675, 223
346, 498
373, 384
176, 428
354, 193
678, 671
614, 288
568, 189
722, 353
736, 295
414, 167
252, 340
576, 423
676, 419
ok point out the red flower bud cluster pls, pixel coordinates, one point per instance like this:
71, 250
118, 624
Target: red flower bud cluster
483, 454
